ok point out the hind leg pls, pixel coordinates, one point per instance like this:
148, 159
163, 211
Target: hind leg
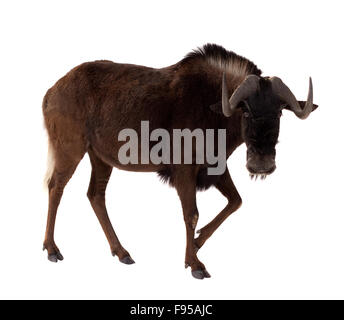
63, 171
96, 194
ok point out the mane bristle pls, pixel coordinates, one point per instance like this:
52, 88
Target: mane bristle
223, 59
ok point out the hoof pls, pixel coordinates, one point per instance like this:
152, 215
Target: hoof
127, 260
200, 274
55, 257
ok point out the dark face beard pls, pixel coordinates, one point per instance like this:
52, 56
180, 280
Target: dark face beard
258, 175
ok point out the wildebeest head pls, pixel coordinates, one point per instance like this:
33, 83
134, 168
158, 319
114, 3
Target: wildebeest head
262, 101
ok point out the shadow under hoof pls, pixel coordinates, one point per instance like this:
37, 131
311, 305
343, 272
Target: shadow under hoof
200, 274
55, 257
127, 260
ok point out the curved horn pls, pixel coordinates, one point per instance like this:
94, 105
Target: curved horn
288, 97
245, 89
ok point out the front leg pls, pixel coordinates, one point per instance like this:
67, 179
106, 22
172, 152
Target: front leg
226, 186
185, 183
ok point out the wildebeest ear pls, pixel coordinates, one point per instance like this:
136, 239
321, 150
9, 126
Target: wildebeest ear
302, 105
217, 107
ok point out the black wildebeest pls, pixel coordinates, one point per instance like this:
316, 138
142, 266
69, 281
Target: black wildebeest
210, 88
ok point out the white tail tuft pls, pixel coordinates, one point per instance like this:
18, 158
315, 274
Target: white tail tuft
50, 165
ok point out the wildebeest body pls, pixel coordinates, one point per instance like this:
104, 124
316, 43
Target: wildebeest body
86, 110
105, 97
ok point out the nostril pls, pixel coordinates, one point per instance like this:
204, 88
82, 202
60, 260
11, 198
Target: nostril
251, 169
271, 170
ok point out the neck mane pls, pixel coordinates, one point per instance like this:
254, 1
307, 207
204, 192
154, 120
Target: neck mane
226, 61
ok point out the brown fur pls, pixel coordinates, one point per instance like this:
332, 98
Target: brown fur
86, 109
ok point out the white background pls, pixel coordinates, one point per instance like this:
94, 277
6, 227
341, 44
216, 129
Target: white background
287, 239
